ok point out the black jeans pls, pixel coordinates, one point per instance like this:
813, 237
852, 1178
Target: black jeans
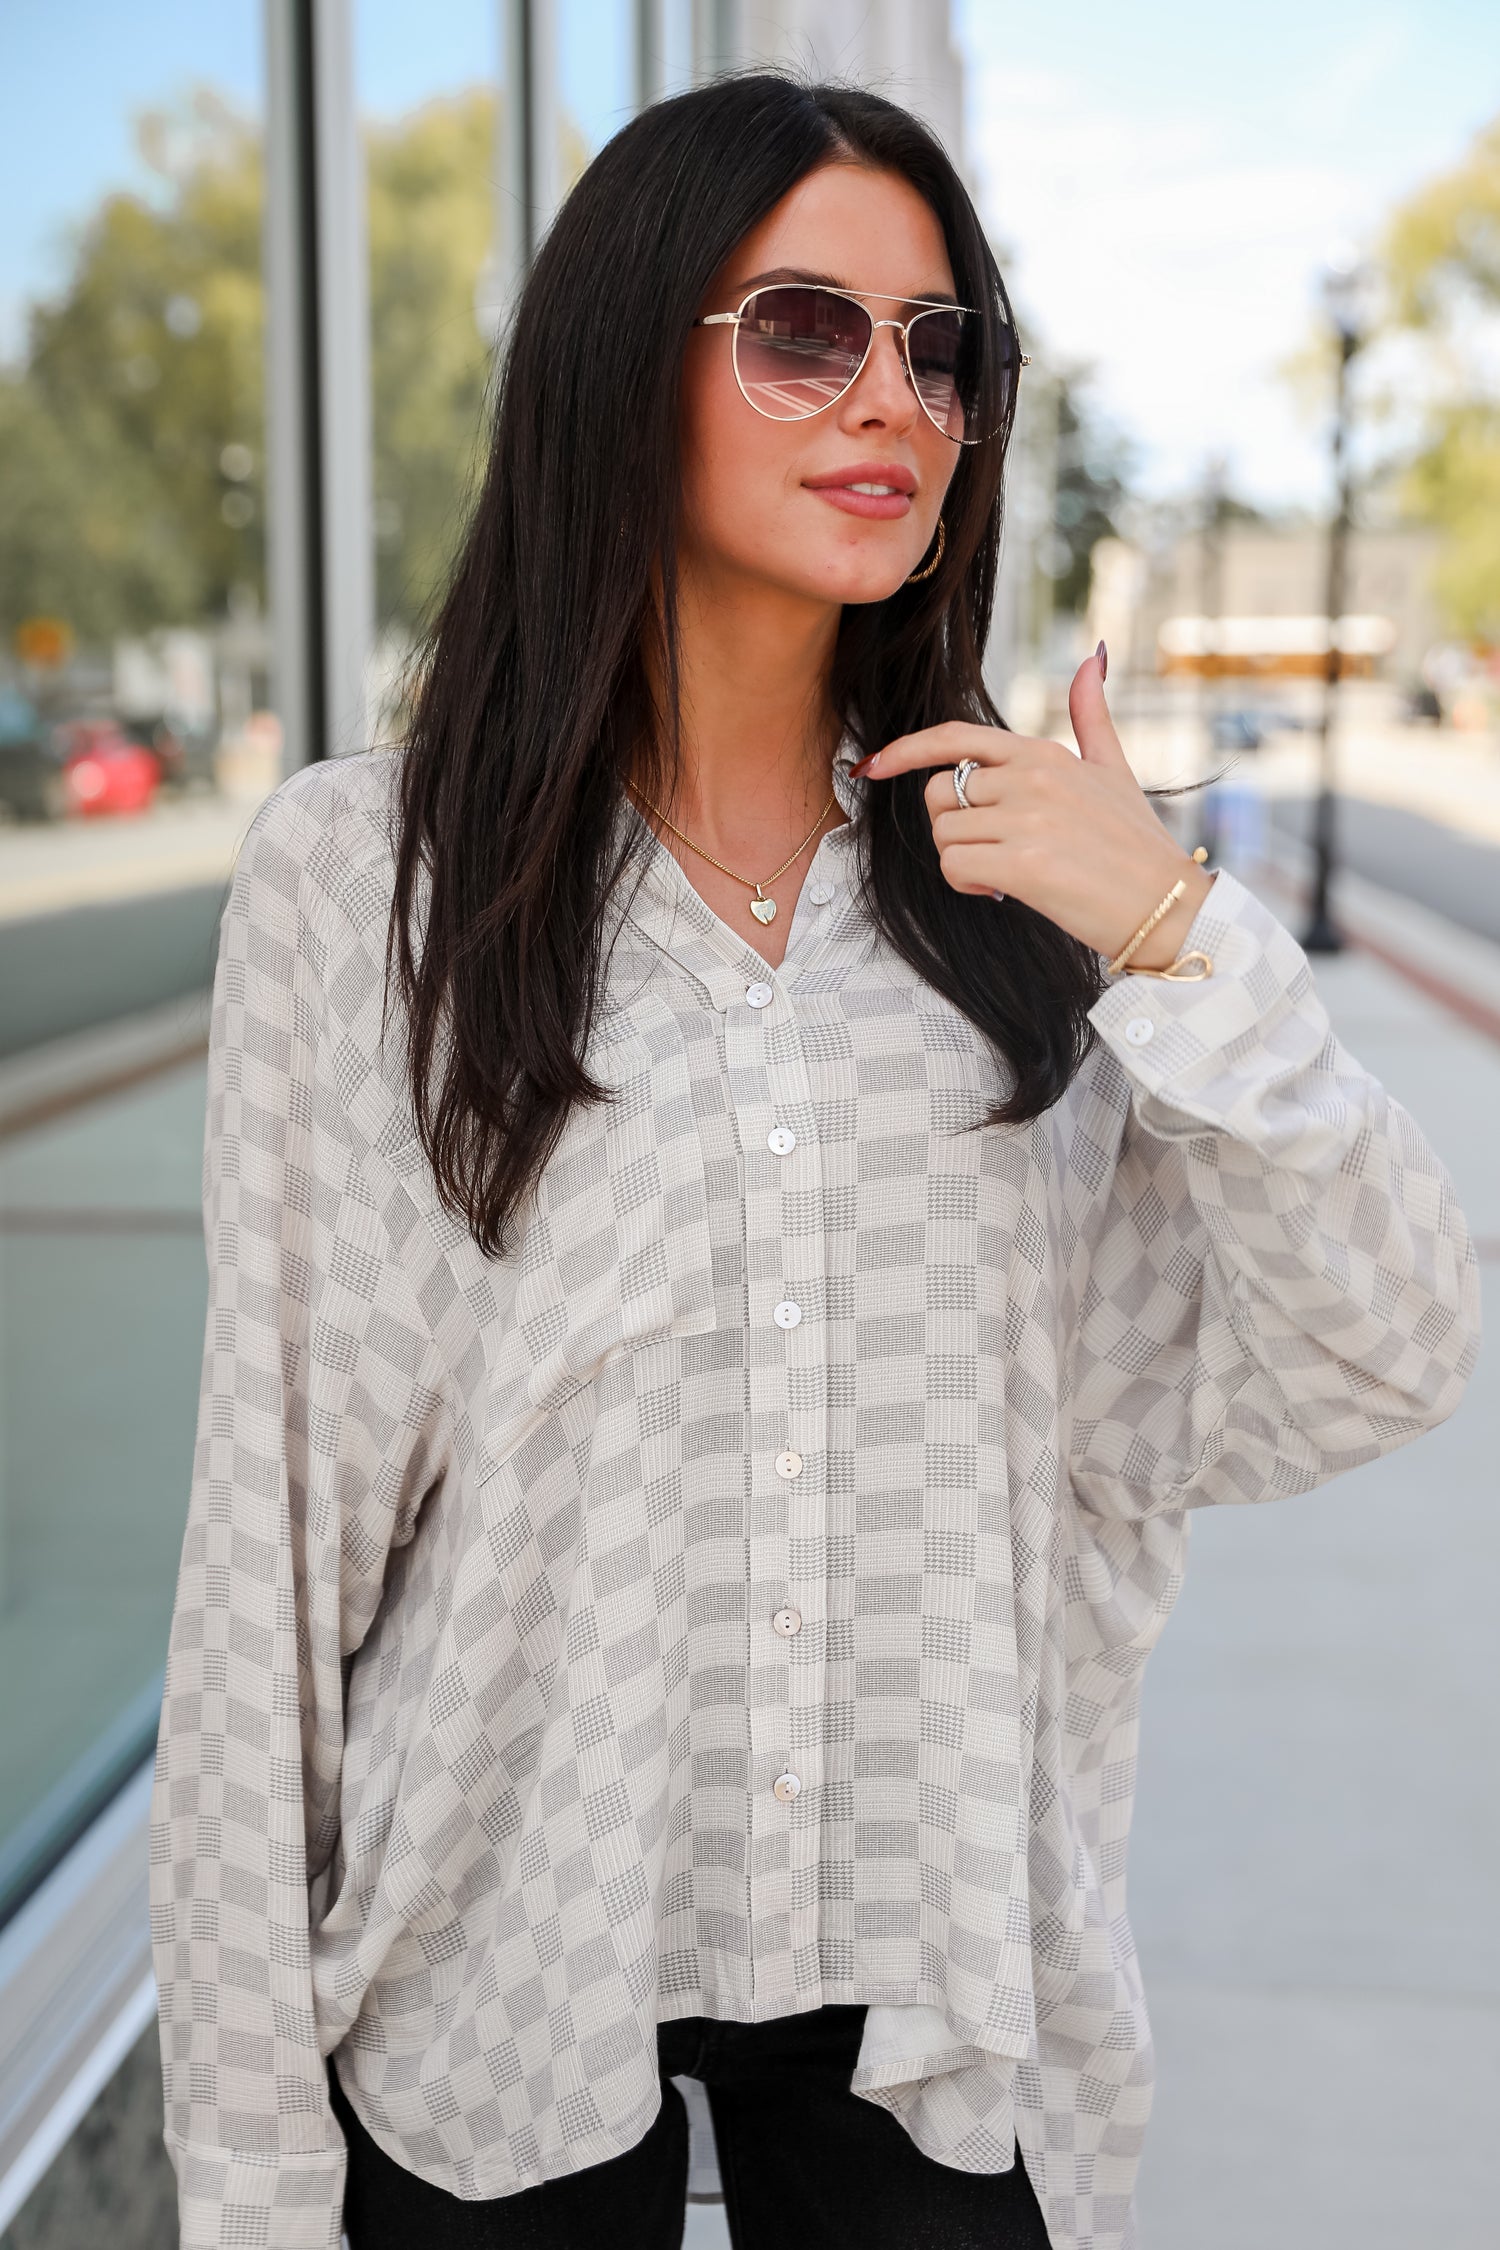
806, 2165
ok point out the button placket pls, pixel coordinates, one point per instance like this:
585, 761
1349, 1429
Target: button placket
784, 1250
812, 919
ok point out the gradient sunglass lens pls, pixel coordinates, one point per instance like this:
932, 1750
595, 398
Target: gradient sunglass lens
942, 370
798, 349
948, 369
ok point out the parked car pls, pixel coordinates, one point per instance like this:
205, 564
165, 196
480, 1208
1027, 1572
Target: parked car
1420, 706
33, 785
1237, 730
104, 771
185, 755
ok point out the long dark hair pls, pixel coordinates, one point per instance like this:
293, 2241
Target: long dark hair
533, 706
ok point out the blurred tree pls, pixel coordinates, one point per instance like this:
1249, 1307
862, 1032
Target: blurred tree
83, 534
132, 435
130, 439
430, 220
1442, 260
1094, 464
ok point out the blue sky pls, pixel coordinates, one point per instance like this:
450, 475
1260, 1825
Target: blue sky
1167, 177
1170, 177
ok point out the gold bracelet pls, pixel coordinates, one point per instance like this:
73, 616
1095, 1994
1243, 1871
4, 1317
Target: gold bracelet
1141, 935
1179, 970
1174, 894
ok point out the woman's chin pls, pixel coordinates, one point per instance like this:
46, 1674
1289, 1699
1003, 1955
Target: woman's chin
855, 579
875, 585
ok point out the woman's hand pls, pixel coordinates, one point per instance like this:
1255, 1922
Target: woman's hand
1075, 838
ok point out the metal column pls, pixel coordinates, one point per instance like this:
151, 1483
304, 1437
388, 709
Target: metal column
321, 560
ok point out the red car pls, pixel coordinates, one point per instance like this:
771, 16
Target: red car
103, 771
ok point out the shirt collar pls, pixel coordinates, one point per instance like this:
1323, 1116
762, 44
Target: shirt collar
846, 790
663, 906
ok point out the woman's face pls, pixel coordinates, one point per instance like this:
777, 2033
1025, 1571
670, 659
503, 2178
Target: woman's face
757, 503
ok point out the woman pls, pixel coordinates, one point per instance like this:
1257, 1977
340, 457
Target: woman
703, 1398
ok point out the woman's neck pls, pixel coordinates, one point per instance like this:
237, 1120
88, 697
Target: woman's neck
758, 730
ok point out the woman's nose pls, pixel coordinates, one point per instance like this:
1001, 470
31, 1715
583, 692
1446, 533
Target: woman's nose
884, 383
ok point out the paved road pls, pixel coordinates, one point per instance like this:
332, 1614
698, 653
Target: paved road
1423, 859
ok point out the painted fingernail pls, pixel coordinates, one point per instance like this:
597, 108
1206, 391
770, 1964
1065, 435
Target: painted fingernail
867, 764
1103, 655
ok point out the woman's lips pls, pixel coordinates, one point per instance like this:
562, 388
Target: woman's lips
863, 503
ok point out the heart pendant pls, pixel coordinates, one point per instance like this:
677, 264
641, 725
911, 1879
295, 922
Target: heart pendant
764, 909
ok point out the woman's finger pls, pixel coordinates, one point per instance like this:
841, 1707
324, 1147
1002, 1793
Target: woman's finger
1093, 728
968, 828
979, 870
988, 785
943, 745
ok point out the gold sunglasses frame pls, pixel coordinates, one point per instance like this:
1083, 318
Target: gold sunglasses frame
735, 320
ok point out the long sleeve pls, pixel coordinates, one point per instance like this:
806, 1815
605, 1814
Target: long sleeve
322, 1424
1283, 1284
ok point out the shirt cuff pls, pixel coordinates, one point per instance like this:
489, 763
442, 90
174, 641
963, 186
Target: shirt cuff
1203, 1054
280, 2202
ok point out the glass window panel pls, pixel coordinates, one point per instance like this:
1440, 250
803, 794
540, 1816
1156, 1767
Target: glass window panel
676, 20
596, 78
433, 105
136, 737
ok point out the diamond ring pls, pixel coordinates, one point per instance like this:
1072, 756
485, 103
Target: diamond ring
961, 773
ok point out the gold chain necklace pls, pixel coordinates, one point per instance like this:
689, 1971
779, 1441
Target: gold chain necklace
763, 908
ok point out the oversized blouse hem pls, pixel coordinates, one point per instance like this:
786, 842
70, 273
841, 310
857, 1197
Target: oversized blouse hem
911, 1992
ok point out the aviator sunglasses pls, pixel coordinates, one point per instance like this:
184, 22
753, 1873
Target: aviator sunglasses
799, 345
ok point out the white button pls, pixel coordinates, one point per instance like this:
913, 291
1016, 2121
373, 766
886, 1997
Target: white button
789, 1464
759, 995
786, 1786
820, 893
787, 1314
781, 1140
1139, 1030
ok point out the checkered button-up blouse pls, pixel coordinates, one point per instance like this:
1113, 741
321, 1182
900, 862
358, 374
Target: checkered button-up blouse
736, 1598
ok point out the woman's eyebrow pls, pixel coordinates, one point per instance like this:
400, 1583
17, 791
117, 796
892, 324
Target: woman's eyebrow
832, 281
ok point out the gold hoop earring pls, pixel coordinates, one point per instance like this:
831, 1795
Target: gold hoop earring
937, 558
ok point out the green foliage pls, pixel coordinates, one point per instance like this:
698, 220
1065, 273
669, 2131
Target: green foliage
1442, 259
132, 436
112, 434
430, 222
86, 536
1455, 482
1443, 245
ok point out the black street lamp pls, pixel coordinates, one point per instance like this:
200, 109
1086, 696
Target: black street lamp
1345, 286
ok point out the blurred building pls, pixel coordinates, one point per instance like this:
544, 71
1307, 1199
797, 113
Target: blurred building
207, 578
1253, 599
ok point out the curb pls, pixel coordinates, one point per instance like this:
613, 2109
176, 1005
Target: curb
1451, 965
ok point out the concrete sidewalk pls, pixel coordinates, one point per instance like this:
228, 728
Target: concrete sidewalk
1312, 1879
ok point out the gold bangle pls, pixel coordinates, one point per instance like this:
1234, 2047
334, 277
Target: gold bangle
1200, 854
1179, 970
1141, 935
